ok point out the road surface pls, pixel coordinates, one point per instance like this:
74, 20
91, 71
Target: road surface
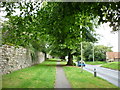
112, 76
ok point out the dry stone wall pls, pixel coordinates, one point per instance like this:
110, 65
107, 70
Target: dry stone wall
49, 56
13, 59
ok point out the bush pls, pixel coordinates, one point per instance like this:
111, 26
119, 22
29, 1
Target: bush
74, 64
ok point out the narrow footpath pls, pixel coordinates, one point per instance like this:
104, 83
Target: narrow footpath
61, 80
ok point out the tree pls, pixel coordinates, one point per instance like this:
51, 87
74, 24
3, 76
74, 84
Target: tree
88, 51
60, 22
67, 33
107, 11
100, 52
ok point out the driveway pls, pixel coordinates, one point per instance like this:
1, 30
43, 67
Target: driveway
107, 74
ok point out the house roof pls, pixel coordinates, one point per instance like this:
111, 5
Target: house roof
112, 55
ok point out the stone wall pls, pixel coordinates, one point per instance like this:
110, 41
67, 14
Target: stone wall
49, 56
13, 59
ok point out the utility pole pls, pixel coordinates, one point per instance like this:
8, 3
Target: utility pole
81, 53
81, 48
93, 49
93, 52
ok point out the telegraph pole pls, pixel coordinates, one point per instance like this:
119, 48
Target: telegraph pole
81, 48
93, 52
81, 53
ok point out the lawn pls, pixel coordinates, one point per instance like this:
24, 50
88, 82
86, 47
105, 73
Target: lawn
95, 62
112, 65
38, 76
85, 79
63, 62
88, 62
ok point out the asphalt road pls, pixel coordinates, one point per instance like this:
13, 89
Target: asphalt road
112, 76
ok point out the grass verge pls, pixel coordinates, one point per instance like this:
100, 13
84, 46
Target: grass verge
85, 79
95, 62
38, 76
112, 65
63, 62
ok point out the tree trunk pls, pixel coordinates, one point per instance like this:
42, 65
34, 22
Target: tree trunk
45, 55
70, 59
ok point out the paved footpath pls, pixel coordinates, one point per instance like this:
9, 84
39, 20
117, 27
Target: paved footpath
61, 80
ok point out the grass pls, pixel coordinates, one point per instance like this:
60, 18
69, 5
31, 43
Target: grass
38, 76
95, 62
112, 65
85, 79
63, 62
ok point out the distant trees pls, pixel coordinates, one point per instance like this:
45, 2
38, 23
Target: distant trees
99, 52
87, 51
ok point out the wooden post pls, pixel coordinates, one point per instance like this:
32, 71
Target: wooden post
95, 74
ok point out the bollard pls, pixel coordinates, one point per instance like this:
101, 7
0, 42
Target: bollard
95, 74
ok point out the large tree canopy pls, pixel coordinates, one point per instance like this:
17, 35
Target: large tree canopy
56, 26
107, 11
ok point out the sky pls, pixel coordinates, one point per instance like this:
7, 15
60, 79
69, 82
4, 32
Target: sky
107, 37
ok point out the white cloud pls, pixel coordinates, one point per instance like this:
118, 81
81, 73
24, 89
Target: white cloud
108, 38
